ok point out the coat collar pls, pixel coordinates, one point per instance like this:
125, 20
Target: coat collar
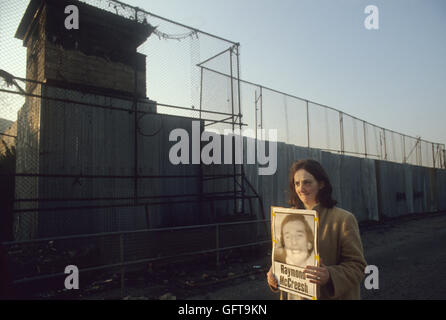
319, 209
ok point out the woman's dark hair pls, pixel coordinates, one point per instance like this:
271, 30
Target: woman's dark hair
308, 231
315, 169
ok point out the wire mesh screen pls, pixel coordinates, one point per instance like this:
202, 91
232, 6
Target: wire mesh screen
325, 128
177, 57
13, 60
309, 124
296, 121
372, 141
353, 133
220, 91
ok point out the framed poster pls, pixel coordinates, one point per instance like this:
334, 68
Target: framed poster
294, 235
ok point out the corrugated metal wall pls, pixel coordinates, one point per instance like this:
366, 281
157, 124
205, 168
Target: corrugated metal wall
79, 140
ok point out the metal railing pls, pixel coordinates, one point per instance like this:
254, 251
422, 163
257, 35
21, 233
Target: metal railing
224, 239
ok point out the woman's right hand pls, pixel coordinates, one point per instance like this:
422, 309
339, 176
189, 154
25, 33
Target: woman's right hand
272, 281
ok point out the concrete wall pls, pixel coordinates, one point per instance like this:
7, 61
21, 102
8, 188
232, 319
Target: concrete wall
440, 185
353, 180
393, 197
354, 184
404, 189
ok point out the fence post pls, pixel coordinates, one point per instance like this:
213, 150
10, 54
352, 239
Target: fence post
433, 155
404, 148
242, 169
308, 125
255, 124
421, 153
365, 140
444, 158
201, 90
261, 107
341, 131
234, 168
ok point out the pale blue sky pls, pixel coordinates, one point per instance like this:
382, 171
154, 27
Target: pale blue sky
394, 77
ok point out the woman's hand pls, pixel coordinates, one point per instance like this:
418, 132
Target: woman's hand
318, 275
272, 281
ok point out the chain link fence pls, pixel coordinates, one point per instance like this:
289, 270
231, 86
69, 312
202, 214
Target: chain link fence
309, 124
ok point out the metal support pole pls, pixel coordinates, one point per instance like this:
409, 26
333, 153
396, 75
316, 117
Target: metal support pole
258, 107
444, 158
365, 140
200, 185
233, 128
135, 110
421, 152
341, 129
433, 155
242, 169
417, 160
404, 148
201, 91
255, 124
261, 107
308, 125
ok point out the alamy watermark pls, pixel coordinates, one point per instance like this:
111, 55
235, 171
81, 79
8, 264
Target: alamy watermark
371, 22
372, 280
72, 281
211, 153
72, 20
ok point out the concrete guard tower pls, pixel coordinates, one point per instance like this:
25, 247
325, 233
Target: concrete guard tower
96, 64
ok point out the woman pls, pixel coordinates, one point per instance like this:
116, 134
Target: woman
342, 260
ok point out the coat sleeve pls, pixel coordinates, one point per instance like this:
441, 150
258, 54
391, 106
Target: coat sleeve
349, 272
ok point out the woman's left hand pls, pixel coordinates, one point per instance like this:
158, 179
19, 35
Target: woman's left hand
318, 275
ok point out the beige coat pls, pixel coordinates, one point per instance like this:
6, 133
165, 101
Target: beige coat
341, 251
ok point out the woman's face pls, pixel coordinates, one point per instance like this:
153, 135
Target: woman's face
307, 188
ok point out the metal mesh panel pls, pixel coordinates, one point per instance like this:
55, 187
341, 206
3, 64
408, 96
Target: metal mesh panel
353, 133
274, 111
329, 129
173, 55
296, 121
324, 128
393, 144
426, 151
372, 141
